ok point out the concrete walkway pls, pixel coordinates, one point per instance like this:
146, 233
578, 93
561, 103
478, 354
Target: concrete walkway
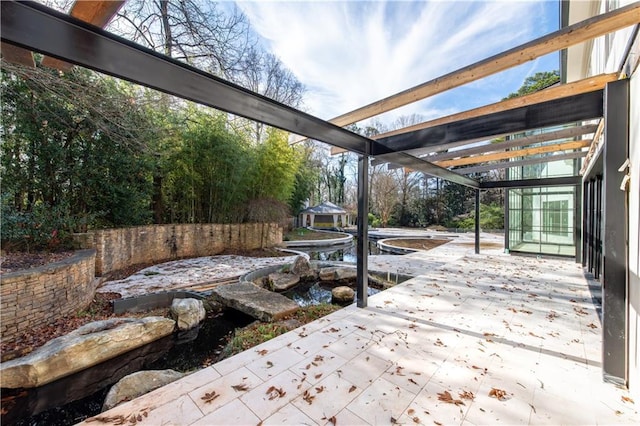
474, 339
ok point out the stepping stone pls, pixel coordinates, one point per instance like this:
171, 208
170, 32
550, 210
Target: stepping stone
257, 302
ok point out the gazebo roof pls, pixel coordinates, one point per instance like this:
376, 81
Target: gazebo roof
325, 208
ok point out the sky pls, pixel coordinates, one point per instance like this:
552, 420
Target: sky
351, 53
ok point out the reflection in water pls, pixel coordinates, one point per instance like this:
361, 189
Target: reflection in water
341, 253
315, 293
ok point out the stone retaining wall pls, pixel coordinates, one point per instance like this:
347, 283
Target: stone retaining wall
41, 295
120, 248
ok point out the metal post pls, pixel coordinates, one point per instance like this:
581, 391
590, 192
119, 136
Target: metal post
614, 271
477, 221
362, 249
577, 220
507, 220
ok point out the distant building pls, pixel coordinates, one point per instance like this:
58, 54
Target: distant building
325, 215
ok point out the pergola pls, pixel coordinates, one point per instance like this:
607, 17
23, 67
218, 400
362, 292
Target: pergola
79, 39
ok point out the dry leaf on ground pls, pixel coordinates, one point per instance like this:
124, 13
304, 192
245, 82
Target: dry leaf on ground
446, 397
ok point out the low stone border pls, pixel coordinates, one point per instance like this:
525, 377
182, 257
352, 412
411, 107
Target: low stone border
344, 239
152, 301
38, 296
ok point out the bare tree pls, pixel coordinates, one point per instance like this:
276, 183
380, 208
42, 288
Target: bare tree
196, 32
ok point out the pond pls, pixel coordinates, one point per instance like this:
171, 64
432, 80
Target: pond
74, 398
315, 293
342, 253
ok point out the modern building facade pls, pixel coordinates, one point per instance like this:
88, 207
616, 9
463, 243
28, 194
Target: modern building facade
610, 218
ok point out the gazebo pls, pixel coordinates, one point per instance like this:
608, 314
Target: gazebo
325, 215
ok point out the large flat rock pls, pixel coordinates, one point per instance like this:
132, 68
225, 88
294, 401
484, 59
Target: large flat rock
85, 347
254, 301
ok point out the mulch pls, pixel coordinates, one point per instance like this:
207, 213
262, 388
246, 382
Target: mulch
16, 261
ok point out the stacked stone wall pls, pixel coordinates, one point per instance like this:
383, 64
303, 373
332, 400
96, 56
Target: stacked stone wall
39, 296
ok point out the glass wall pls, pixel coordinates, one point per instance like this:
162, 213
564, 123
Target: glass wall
541, 219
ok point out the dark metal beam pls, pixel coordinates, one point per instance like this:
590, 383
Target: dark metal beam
477, 223
615, 205
44, 30
362, 247
31, 25
519, 163
545, 114
420, 165
569, 132
528, 183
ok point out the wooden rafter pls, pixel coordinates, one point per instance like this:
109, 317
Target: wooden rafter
569, 132
520, 163
513, 154
558, 40
97, 13
17, 55
561, 91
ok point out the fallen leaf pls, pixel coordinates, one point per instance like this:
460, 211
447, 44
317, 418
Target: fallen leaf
318, 358
262, 352
446, 397
269, 364
274, 393
331, 420
320, 389
317, 376
627, 399
467, 395
592, 325
210, 396
498, 394
410, 411
352, 388
412, 381
308, 397
416, 419
240, 388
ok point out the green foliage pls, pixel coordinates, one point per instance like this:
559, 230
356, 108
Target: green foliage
306, 178
374, 221
538, 81
74, 146
206, 177
42, 228
274, 168
491, 217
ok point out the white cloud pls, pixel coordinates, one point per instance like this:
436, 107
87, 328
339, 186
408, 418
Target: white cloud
351, 53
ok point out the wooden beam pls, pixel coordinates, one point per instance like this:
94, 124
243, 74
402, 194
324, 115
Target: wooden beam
520, 163
558, 40
512, 154
561, 91
97, 13
569, 132
17, 55
557, 112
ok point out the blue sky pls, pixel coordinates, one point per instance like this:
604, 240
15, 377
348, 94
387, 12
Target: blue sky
351, 53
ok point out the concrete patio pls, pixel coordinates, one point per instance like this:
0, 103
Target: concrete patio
474, 339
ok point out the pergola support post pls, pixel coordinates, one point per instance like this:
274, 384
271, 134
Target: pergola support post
614, 271
477, 224
362, 248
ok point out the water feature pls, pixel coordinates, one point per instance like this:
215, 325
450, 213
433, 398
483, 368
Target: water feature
315, 293
341, 253
76, 397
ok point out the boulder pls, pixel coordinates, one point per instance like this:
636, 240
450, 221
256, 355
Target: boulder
137, 384
188, 313
85, 347
346, 274
302, 267
281, 282
327, 274
337, 274
342, 295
